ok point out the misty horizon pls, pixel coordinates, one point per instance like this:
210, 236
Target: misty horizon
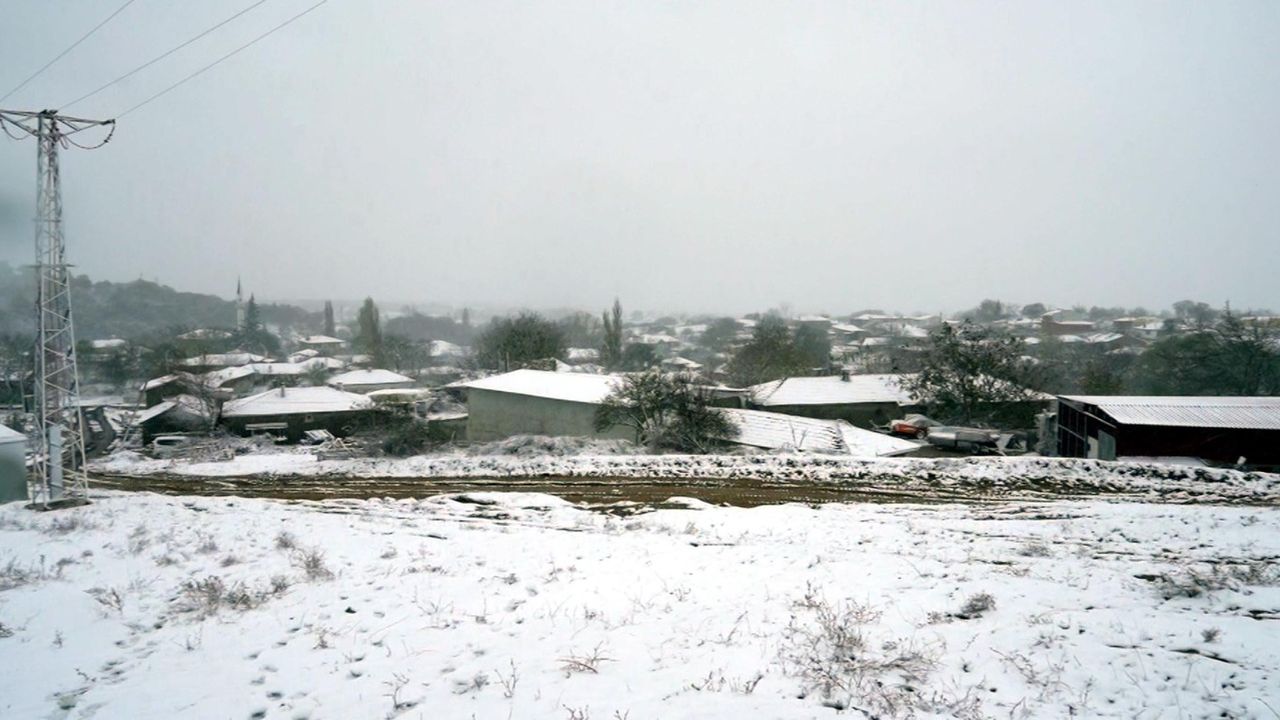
718, 158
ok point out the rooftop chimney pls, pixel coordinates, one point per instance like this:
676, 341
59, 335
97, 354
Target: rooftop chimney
844, 375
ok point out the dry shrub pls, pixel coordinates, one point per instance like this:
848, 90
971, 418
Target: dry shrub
976, 606
312, 562
829, 647
1192, 581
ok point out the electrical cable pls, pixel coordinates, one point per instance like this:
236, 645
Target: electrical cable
219, 60
157, 59
62, 54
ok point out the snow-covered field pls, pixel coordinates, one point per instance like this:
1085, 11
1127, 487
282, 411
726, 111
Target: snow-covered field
923, 475
523, 606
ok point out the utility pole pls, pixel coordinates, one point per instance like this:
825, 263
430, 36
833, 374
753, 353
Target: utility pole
58, 475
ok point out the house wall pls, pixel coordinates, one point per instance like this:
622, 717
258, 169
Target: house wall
860, 415
13, 471
365, 389
494, 415
338, 423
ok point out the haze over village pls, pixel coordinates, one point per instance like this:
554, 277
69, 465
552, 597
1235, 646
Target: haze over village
700, 360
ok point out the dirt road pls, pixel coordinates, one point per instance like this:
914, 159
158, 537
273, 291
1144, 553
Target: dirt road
645, 492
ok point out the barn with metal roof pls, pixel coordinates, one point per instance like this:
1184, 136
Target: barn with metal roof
1221, 429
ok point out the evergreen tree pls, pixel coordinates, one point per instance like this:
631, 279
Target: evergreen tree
611, 351
254, 336
369, 332
329, 327
813, 346
252, 318
770, 355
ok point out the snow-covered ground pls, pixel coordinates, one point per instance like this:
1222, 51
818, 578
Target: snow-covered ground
523, 606
925, 475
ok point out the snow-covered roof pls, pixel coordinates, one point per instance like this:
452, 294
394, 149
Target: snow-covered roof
187, 403
1261, 413
320, 340
683, 362
656, 339
444, 348
573, 387
154, 411
303, 355
220, 377
370, 376
833, 390
327, 363
582, 354
225, 359
296, 401
276, 368
205, 334
846, 328
108, 344
762, 429
154, 383
9, 435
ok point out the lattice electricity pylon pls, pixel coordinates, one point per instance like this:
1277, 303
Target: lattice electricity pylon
58, 469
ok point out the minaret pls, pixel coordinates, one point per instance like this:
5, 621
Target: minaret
239, 306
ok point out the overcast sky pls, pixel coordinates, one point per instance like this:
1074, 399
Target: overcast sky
697, 156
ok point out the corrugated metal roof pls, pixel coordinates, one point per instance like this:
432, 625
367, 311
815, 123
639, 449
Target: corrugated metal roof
832, 390
8, 435
762, 429
1262, 413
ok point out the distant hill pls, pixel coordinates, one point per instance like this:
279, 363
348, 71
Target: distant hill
133, 309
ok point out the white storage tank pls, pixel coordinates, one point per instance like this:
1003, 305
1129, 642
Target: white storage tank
13, 465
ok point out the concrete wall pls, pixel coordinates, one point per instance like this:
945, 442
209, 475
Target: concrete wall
13, 471
496, 415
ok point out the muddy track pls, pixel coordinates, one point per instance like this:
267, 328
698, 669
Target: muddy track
610, 490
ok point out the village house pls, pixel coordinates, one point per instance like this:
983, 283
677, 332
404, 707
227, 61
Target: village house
214, 361
322, 344
536, 402
1051, 326
861, 400
289, 412
368, 380
177, 414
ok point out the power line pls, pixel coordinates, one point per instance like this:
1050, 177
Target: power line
155, 60
64, 52
219, 60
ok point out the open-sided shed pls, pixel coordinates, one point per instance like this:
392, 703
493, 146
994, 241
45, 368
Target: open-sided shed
1223, 429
